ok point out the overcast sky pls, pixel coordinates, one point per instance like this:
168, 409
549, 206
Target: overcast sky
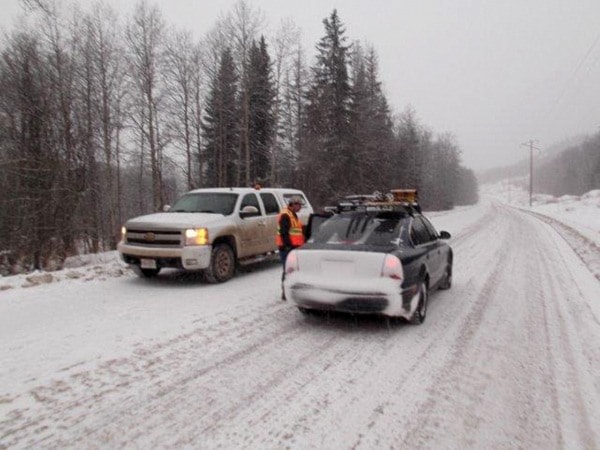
494, 73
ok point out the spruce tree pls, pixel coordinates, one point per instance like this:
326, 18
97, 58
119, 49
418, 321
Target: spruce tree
371, 124
261, 126
328, 116
220, 125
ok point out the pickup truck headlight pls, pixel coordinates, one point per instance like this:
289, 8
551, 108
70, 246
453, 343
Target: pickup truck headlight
196, 236
123, 233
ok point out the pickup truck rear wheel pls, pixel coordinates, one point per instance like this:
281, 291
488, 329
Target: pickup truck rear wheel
222, 264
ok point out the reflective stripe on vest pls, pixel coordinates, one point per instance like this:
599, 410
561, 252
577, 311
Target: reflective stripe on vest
296, 234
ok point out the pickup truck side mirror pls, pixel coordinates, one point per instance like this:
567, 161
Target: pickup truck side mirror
249, 211
166, 208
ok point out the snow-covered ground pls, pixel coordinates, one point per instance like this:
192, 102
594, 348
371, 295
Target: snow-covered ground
579, 212
94, 357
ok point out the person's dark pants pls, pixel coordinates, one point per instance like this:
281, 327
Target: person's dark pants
283, 256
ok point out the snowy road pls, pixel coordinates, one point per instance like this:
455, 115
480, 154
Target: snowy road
508, 358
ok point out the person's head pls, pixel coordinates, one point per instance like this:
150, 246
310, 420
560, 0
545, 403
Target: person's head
295, 203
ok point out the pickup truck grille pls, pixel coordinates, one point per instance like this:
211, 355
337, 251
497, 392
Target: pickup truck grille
154, 238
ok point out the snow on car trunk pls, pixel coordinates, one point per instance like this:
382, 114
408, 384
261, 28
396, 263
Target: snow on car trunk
336, 264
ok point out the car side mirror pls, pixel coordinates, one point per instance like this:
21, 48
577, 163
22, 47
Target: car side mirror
445, 235
249, 211
166, 208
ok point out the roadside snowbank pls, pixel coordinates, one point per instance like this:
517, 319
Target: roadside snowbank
581, 213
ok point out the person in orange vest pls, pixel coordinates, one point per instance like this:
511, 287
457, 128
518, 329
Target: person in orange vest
290, 233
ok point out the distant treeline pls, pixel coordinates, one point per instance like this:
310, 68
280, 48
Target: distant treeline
566, 169
575, 171
104, 118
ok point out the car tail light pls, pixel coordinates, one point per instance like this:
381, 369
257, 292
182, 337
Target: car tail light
392, 268
291, 263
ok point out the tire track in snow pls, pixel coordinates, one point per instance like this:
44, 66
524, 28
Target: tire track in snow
587, 250
444, 347
560, 308
467, 233
426, 422
485, 348
82, 391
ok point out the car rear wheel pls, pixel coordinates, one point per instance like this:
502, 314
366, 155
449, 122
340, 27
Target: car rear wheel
420, 313
222, 264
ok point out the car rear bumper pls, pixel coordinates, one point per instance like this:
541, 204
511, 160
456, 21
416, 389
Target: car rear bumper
189, 258
382, 296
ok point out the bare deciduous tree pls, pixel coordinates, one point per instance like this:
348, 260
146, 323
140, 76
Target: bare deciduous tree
243, 26
145, 39
181, 72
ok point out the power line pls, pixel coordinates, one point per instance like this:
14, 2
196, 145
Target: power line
575, 73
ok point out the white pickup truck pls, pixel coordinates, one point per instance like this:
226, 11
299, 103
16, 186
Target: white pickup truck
211, 230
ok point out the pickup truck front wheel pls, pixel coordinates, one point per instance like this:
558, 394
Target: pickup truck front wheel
222, 264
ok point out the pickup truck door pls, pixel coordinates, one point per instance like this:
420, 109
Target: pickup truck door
271, 210
252, 228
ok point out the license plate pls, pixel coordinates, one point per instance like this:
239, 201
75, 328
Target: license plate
148, 263
338, 268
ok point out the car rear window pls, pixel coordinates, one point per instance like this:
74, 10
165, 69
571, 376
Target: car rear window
361, 229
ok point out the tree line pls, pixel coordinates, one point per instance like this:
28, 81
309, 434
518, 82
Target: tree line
575, 171
569, 167
104, 118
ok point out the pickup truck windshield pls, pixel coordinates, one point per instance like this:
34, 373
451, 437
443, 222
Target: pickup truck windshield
206, 202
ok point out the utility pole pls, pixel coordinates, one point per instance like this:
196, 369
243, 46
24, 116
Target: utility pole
531, 147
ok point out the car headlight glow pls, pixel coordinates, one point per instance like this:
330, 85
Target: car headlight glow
123, 233
196, 236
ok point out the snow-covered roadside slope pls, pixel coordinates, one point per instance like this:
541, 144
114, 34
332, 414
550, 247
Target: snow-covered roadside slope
581, 213
576, 219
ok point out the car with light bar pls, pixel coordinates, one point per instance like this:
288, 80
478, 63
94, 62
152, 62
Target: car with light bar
213, 230
371, 255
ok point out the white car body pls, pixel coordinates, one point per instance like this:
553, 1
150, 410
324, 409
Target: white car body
346, 281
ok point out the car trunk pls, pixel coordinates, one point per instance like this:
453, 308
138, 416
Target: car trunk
340, 263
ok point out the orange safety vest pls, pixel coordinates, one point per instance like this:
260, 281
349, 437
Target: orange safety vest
296, 234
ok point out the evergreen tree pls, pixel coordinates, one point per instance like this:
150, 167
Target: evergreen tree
408, 157
261, 126
328, 116
467, 192
220, 125
371, 124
